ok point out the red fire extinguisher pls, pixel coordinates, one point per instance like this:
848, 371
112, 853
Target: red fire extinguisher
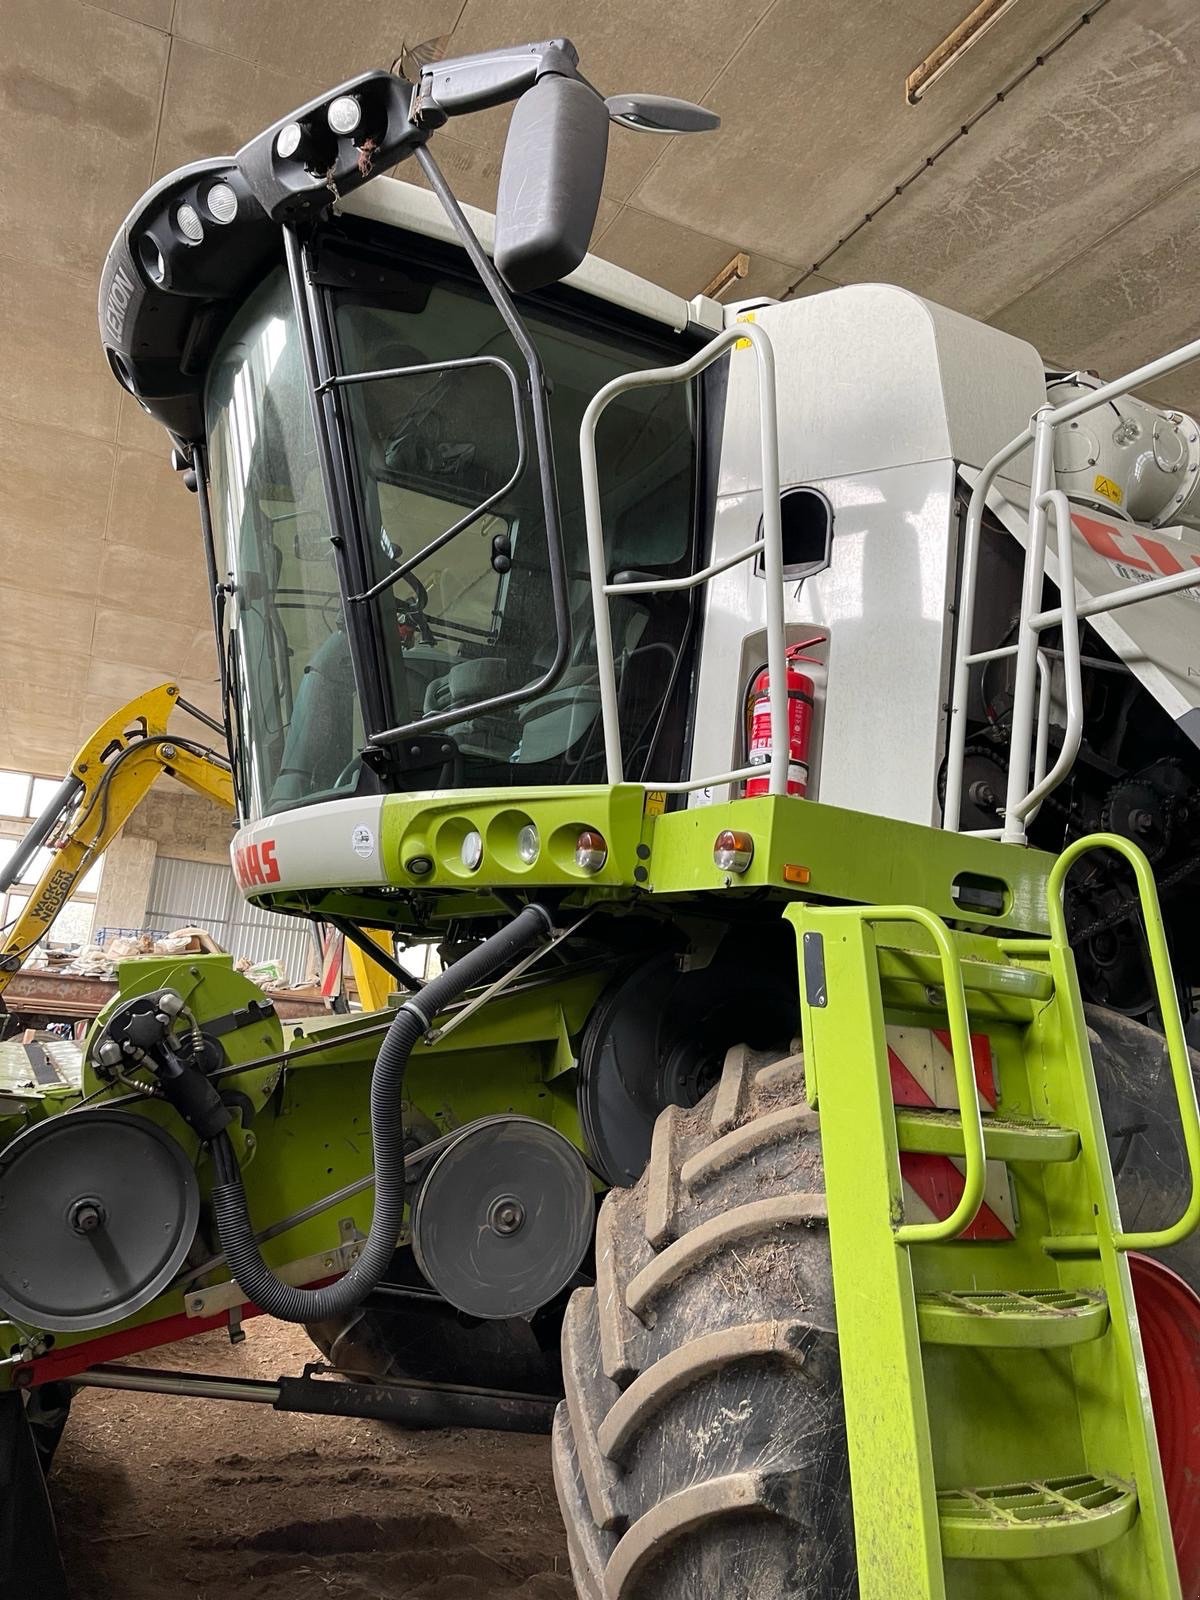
800, 690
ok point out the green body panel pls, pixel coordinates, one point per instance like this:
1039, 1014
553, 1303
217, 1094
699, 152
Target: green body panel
986, 1461
433, 825
309, 1134
849, 856
845, 856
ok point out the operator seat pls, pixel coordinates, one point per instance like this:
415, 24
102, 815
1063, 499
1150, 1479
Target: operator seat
320, 739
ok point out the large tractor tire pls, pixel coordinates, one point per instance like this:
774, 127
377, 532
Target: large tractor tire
701, 1448
1145, 1133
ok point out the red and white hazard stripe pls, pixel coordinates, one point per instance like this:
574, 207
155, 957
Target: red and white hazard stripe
921, 1065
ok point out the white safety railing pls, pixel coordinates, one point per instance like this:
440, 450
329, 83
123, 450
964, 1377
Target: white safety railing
1030, 728
769, 547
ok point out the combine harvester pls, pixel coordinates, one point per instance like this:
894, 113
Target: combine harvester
781, 735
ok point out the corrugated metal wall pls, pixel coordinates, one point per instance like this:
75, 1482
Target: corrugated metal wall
203, 893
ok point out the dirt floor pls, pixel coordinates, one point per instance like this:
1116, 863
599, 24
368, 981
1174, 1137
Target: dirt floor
200, 1499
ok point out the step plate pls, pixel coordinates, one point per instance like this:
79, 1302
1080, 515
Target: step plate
1040, 1320
1043, 1517
1005, 1138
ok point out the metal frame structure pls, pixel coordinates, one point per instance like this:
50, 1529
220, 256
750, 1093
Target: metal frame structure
769, 547
1030, 728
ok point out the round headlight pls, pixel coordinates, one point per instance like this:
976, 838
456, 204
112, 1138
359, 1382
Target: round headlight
591, 850
733, 852
344, 114
528, 844
471, 851
152, 259
287, 140
187, 220
222, 203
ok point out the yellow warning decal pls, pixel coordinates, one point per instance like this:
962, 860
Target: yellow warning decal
746, 316
1109, 489
656, 802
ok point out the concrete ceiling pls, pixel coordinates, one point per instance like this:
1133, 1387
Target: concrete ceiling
1069, 214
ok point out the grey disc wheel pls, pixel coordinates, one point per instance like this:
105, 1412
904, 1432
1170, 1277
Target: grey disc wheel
97, 1212
503, 1217
700, 1453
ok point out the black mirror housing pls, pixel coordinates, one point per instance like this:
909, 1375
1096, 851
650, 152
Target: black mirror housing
550, 182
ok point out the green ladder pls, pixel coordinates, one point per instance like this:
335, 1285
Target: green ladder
997, 1410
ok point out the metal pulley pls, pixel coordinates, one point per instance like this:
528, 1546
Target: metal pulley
97, 1211
503, 1217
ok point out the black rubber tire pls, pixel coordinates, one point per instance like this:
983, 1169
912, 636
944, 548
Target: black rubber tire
1145, 1134
700, 1453
46, 1411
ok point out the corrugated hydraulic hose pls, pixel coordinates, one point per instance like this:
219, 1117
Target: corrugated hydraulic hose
415, 1017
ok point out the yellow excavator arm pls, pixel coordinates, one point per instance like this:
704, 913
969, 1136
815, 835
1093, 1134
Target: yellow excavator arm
108, 779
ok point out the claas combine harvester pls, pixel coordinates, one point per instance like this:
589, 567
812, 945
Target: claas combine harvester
783, 720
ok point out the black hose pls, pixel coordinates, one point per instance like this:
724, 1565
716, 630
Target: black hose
415, 1017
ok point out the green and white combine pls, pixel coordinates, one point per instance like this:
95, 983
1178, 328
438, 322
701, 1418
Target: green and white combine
646, 656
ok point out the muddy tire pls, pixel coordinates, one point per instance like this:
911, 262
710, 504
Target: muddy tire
1144, 1131
46, 1411
701, 1452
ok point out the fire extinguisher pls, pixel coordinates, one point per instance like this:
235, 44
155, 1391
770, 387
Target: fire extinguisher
800, 689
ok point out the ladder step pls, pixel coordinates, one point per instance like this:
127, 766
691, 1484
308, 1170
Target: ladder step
939, 1133
1047, 1517
997, 992
1040, 1320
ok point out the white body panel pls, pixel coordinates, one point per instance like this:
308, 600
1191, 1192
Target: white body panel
403, 205
871, 377
331, 842
879, 399
878, 729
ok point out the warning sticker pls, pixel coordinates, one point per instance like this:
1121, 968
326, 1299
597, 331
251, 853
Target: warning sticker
746, 316
1106, 487
656, 802
362, 841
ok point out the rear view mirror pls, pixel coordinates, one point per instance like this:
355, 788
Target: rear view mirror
550, 181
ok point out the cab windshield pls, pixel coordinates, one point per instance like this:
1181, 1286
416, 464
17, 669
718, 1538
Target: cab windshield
473, 617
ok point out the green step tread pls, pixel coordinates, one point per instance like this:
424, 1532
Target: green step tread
1040, 1319
1042, 1517
979, 977
1005, 1138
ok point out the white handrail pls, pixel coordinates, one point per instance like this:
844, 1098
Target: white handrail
1022, 801
770, 546
1029, 804
968, 582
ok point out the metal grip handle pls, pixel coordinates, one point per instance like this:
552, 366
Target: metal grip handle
770, 547
1168, 1005
975, 1177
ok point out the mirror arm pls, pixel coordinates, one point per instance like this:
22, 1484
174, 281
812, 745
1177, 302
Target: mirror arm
475, 83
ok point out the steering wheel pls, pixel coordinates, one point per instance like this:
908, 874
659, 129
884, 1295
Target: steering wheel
415, 614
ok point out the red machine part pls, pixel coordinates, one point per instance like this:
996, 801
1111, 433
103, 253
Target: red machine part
1169, 1316
65, 1361
800, 689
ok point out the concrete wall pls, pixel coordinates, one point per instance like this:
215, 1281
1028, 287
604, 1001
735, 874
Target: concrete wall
124, 891
183, 824
168, 823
